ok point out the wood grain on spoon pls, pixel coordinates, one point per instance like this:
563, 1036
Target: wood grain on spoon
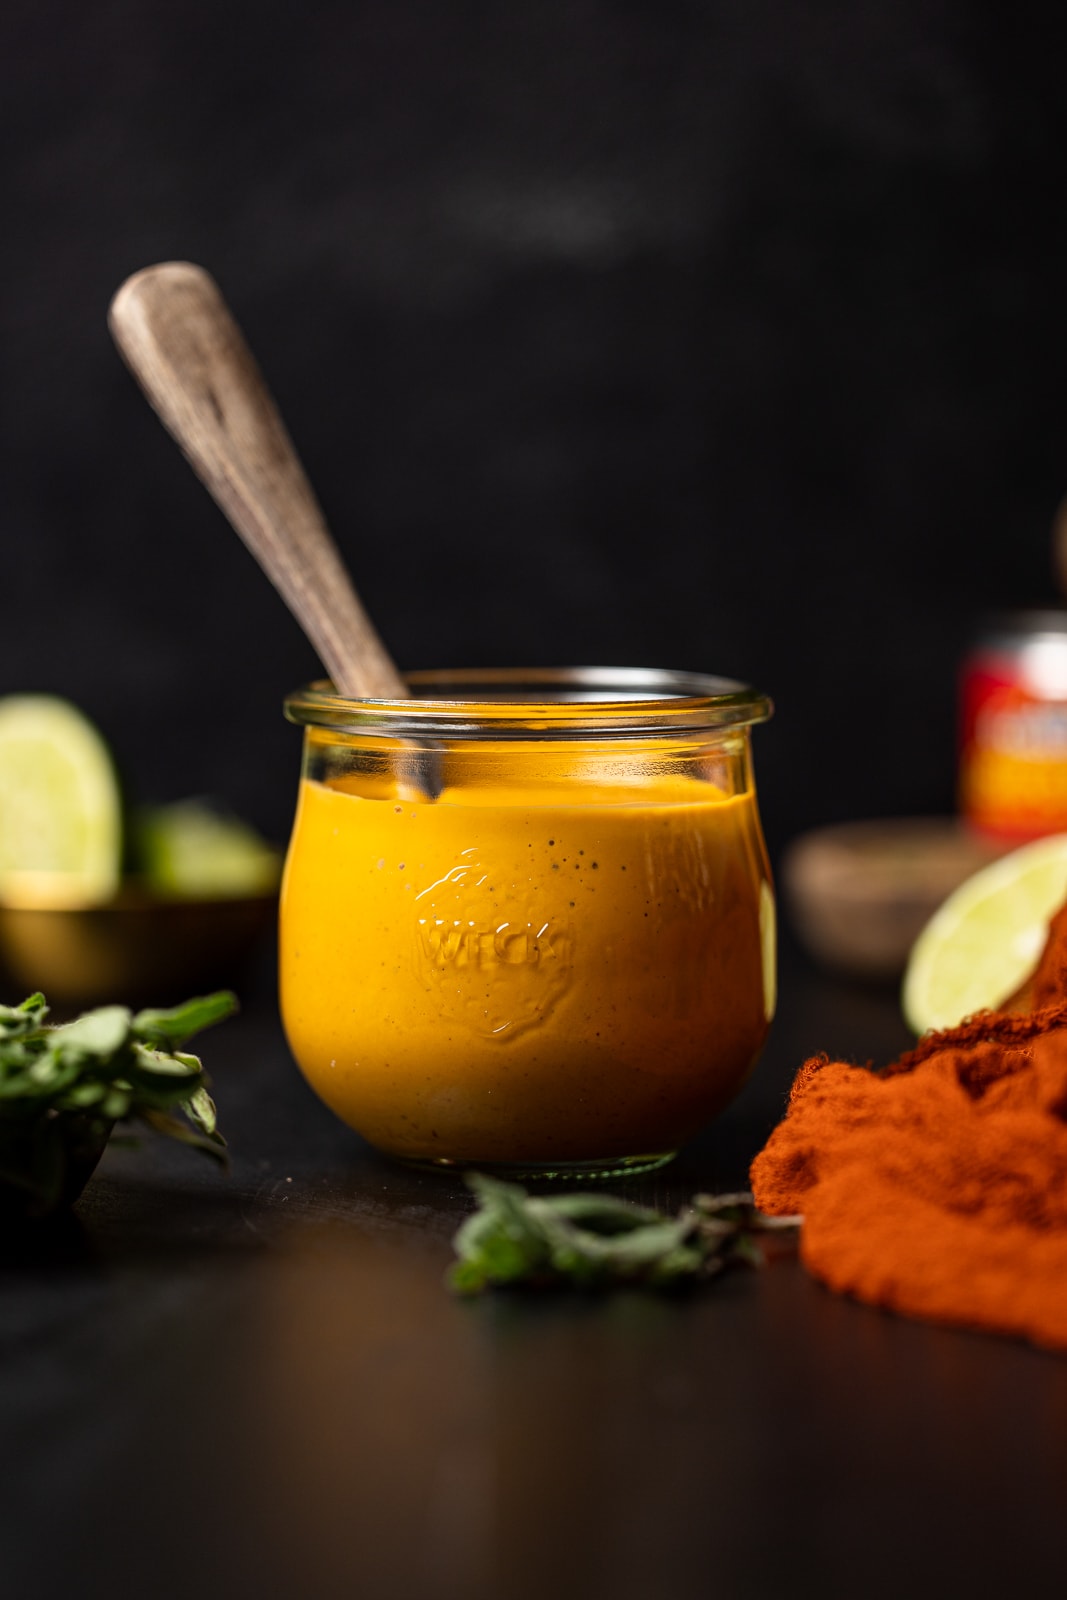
181, 343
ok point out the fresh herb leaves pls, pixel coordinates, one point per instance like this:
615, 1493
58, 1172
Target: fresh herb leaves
63, 1087
594, 1240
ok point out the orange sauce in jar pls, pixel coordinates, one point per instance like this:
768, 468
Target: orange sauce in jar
555, 962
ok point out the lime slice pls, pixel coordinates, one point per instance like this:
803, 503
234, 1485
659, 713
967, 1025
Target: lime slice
60, 807
768, 949
191, 849
983, 943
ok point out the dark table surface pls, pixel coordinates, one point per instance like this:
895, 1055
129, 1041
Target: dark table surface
258, 1384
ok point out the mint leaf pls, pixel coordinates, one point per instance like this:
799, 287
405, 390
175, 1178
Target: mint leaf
173, 1027
595, 1240
15, 1020
98, 1033
63, 1087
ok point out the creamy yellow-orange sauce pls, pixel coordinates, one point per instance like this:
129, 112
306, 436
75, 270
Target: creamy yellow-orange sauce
504, 975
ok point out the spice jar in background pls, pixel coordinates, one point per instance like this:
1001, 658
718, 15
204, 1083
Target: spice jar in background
1013, 728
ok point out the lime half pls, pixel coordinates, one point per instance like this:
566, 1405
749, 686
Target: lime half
60, 807
192, 849
982, 944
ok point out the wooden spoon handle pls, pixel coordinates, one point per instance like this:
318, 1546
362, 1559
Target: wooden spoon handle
182, 345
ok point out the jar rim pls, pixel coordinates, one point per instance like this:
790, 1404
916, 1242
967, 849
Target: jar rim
548, 702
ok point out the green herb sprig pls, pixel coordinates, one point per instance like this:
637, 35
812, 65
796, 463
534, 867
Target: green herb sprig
63, 1088
595, 1240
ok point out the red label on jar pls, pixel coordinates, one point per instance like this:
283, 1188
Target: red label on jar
1013, 752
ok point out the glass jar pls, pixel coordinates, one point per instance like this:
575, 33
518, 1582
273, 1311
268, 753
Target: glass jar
527, 922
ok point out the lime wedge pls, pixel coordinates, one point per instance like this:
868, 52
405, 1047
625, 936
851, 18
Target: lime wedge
768, 949
984, 941
191, 849
60, 807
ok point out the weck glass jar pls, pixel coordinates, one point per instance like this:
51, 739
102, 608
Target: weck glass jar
527, 921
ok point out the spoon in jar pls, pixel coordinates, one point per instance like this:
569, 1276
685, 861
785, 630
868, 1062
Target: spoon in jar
180, 341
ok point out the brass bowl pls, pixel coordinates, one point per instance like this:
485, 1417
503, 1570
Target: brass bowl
138, 948
860, 893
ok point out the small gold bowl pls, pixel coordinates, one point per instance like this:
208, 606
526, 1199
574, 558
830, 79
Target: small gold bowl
860, 893
137, 948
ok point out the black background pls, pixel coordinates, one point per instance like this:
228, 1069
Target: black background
719, 336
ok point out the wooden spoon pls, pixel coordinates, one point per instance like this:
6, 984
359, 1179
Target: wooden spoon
181, 343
